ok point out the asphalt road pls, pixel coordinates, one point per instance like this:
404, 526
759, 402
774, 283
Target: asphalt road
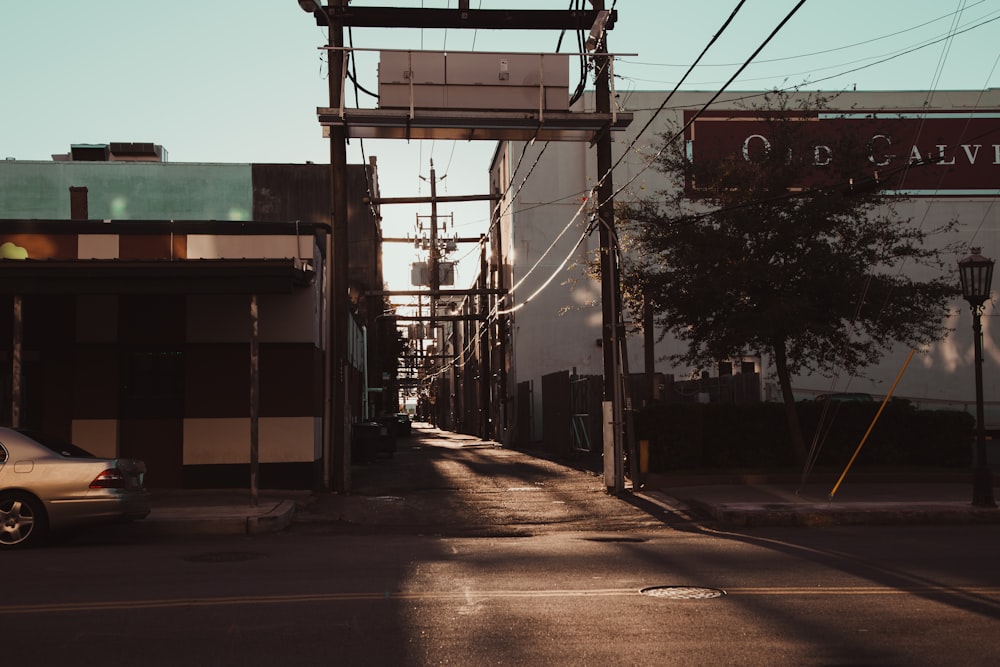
478, 556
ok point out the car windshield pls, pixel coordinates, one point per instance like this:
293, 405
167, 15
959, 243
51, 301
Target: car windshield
60, 447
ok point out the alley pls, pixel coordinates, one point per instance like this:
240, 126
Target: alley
443, 483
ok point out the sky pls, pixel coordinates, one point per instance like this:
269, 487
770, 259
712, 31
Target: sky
239, 81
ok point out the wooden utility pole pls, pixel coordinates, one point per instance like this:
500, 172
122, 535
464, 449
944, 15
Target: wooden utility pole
610, 343
482, 331
434, 256
339, 462
338, 14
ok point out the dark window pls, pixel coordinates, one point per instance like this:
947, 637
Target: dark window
153, 383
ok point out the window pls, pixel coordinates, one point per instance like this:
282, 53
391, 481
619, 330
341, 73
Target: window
153, 383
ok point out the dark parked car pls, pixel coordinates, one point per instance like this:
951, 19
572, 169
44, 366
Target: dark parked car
47, 485
403, 423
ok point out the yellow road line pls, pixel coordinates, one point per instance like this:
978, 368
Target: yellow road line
123, 605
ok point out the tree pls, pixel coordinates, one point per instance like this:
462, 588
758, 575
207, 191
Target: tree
783, 251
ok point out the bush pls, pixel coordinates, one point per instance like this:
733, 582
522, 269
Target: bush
686, 436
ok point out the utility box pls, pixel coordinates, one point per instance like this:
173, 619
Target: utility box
420, 274
514, 81
397, 70
473, 81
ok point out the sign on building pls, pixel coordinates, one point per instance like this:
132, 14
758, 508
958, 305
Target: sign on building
952, 152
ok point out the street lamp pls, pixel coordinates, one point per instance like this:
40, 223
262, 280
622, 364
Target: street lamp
976, 273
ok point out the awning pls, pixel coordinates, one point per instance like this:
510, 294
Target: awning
199, 276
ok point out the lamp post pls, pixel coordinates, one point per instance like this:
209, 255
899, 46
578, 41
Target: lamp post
976, 273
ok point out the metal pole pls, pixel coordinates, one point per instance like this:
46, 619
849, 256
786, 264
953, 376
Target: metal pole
982, 479
16, 371
649, 352
254, 399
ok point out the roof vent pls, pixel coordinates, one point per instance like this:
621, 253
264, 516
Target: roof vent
90, 152
135, 151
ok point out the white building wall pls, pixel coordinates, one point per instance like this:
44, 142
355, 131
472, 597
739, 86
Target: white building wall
557, 328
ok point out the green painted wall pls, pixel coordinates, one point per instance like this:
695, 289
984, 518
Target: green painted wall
127, 190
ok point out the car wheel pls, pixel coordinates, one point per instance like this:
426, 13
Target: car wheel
22, 521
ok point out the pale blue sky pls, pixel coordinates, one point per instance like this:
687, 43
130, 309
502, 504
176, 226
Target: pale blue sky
239, 81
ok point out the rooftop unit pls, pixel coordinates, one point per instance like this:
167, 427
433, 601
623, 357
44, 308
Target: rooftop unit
119, 151
471, 95
469, 81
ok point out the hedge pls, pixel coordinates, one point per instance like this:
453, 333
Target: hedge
689, 436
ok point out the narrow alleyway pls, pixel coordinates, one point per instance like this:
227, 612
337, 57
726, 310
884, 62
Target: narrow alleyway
444, 483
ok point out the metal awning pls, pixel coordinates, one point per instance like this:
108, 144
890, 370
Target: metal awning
472, 125
199, 276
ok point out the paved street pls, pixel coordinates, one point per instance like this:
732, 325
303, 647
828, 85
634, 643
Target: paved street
458, 552
442, 483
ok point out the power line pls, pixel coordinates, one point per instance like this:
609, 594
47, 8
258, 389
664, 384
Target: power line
817, 53
705, 106
881, 60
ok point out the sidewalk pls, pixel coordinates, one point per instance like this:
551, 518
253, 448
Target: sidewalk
864, 502
218, 512
379, 490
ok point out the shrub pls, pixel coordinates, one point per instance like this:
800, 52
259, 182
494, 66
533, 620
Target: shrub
686, 436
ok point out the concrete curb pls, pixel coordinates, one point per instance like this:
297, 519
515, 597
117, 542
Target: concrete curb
278, 519
217, 520
857, 514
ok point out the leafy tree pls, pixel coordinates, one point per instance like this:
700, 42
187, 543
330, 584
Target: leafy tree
737, 257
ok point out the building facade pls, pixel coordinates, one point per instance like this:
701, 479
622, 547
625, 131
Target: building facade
547, 251
132, 292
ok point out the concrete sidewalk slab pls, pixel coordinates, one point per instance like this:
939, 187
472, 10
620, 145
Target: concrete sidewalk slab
810, 505
210, 513
392, 493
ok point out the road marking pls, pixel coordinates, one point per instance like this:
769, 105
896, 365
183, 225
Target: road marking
464, 597
113, 605
868, 590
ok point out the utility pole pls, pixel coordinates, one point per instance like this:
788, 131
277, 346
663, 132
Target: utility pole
485, 364
609, 276
434, 283
337, 269
338, 14
434, 257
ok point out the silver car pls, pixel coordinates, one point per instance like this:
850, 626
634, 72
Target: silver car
47, 485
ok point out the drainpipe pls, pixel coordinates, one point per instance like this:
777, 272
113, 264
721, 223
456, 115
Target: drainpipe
364, 399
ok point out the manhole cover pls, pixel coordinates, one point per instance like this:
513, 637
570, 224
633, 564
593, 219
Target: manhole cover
224, 557
683, 592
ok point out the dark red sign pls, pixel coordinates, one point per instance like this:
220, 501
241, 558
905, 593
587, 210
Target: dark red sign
935, 153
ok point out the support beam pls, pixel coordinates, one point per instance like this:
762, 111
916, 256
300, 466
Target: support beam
458, 240
458, 19
438, 293
427, 200
439, 318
